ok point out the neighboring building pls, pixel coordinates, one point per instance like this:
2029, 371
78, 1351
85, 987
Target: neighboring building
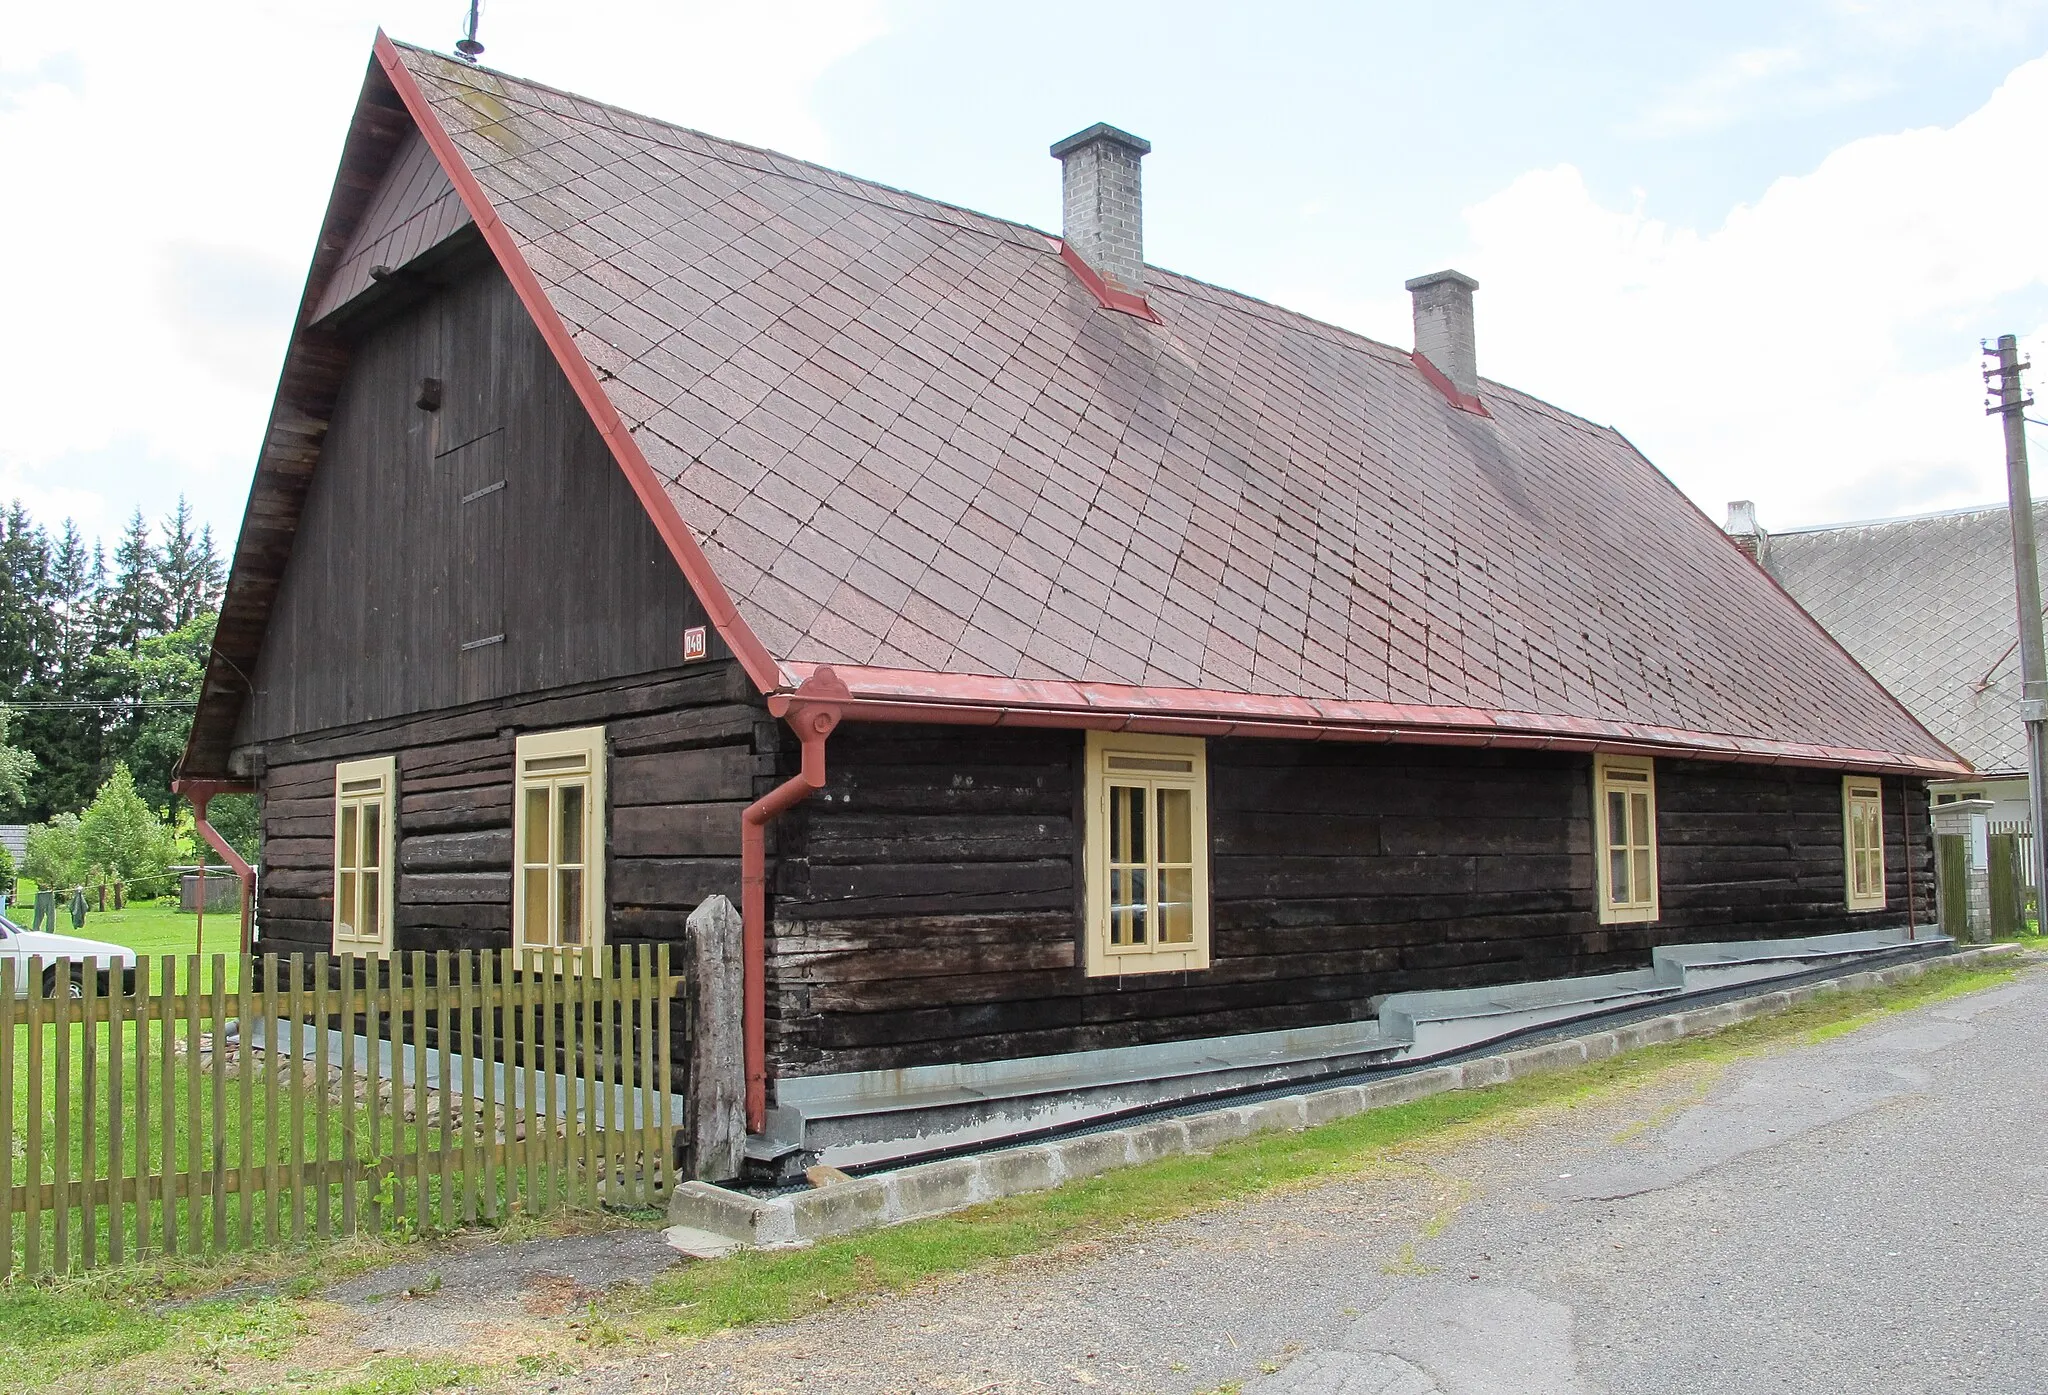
1928, 605
1168, 667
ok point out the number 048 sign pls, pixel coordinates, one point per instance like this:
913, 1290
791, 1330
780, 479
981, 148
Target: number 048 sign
693, 643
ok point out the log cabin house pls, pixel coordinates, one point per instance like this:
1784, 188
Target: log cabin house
1078, 673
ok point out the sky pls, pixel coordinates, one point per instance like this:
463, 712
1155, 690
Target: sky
1764, 240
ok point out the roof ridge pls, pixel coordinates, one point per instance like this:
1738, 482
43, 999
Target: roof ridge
1927, 517
1238, 300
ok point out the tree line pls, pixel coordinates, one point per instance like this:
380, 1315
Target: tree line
93, 652
101, 658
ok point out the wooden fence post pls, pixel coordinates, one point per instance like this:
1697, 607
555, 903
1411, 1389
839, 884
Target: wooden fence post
715, 1094
1952, 859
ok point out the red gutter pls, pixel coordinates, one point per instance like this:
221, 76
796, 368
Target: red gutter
718, 605
201, 793
1107, 296
812, 711
900, 695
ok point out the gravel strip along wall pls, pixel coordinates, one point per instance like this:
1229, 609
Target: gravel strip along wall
931, 1189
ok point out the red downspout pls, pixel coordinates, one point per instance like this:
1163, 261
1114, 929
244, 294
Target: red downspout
812, 720
201, 792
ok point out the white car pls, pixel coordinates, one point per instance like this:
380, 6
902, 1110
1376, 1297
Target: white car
67, 959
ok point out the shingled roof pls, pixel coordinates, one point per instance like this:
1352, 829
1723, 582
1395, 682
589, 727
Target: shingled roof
906, 441
1927, 604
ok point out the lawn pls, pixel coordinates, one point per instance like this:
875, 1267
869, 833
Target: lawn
155, 928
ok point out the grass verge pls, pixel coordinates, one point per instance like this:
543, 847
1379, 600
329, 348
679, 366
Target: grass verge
237, 1320
770, 1286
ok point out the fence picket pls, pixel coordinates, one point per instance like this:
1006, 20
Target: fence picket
89, 1132
144, 1173
60, 1022
465, 1049
550, 1040
167, 1099
32, 1213
273, 1132
323, 1215
492, 1141
117, 1171
375, 987
421, 1114
534, 1080
218, 967
665, 1153
245, 1086
195, 1200
346, 979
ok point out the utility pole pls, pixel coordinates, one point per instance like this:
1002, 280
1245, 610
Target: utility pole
2012, 401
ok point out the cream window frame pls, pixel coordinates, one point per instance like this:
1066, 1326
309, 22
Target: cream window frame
1106, 751
1863, 795
545, 762
361, 786
1628, 776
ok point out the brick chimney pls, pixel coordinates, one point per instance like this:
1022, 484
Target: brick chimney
1443, 326
1103, 220
1747, 533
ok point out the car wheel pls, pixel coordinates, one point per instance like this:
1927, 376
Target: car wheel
74, 986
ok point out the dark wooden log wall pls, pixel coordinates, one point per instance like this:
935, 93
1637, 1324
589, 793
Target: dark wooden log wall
488, 549
928, 900
682, 765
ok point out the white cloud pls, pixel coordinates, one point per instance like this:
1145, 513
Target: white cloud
1817, 352
166, 176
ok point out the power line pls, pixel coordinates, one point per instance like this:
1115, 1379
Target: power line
99, 705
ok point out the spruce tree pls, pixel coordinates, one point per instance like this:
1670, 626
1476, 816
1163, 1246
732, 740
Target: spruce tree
134, 605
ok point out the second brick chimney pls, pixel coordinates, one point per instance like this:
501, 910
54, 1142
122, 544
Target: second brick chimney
1102, 211
1443, 326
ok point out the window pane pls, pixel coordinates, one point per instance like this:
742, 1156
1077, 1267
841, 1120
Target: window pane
1639, 823
1644, 878
372, 910
1617, 819
1135, 798
537, 825
346, 857
1129, 915
1176, 815
373, 836
1177, 907
1617, 876
345, 901
569, 904
536, 928
569, 844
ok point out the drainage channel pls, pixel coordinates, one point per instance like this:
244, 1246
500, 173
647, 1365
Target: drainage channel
1311, 1082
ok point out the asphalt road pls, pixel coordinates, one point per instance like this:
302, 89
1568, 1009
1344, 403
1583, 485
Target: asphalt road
1869, 1214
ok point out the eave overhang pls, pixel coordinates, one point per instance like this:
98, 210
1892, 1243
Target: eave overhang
906, 695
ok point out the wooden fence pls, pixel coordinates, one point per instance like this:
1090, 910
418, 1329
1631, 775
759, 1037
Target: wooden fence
280, 1100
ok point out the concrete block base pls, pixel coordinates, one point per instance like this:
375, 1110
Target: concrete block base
713, 1215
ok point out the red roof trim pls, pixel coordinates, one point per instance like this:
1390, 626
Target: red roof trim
904, 695
1463, 401
724, 616
1107, 296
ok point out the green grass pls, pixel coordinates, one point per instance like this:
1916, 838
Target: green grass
761, 1286
155, 928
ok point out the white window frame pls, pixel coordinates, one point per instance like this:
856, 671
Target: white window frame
1866, 791
553, 751
1628, 775
1103, 958
360, 785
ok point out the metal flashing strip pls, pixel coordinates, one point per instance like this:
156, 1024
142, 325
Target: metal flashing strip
950, 1109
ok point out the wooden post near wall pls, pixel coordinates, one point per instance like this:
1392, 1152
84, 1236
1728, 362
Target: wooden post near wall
716, 1092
